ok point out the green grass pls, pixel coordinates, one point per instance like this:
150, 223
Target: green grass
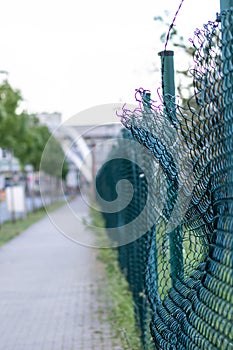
121, 310
9, 230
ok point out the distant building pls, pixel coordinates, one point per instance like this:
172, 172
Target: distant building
51, 120
99, 139
85, 141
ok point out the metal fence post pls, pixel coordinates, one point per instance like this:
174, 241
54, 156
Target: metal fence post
147, 102
168, 84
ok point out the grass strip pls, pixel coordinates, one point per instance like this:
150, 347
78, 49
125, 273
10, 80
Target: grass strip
9, 230
121, 310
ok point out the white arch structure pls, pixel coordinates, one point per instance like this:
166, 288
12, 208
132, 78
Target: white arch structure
70, 141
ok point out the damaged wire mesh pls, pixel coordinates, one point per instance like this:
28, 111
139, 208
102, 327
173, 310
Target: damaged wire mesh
180, 270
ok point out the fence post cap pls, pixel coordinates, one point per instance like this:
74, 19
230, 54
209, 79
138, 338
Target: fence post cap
166, 53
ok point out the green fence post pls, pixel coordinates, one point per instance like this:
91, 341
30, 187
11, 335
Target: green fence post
168, 84
147, 102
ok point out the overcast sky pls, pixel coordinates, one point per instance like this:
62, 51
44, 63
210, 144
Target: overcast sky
70, 55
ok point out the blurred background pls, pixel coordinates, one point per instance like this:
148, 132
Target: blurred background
60, 58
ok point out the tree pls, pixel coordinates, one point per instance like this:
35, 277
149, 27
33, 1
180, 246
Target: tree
22, 133
53, 159
12, 124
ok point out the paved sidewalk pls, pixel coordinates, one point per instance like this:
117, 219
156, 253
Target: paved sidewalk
50, 290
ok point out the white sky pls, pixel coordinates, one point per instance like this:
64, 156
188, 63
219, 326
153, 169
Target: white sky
70, 55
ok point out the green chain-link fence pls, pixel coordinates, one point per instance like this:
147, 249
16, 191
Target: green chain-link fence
180, 270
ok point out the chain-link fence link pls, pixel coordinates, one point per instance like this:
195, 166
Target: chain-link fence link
180, 271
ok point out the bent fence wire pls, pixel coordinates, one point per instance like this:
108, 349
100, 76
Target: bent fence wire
180, 271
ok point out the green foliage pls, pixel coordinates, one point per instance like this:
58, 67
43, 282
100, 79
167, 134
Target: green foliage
32, 142
53, 159
22, 134
11, 124
9, 99
9, 230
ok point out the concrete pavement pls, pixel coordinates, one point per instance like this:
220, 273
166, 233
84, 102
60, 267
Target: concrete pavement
51, 291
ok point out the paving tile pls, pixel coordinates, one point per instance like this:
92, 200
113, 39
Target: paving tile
49, 291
